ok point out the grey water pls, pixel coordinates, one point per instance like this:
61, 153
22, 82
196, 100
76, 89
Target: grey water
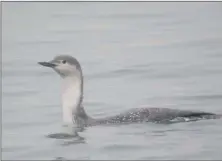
133, 54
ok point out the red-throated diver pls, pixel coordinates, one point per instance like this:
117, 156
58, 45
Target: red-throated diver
72, 96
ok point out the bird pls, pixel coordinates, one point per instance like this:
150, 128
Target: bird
73, 112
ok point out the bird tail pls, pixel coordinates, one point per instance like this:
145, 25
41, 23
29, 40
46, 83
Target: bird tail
205, 115
214, 116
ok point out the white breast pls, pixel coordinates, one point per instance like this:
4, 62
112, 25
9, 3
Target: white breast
70, 98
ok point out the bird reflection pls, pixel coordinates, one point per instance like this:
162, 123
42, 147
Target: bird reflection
70, 136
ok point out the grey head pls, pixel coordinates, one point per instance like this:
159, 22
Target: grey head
64, 65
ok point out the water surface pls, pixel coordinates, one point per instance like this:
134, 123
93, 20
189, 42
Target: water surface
133, 54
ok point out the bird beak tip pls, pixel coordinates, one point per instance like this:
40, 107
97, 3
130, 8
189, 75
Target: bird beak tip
47, 64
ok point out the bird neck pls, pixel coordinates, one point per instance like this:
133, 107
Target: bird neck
72, 95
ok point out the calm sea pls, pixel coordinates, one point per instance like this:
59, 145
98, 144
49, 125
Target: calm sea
154, 54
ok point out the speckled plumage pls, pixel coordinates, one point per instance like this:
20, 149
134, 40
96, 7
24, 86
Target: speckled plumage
157, 115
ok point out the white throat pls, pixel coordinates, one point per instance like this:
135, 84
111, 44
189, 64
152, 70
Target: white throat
71, 96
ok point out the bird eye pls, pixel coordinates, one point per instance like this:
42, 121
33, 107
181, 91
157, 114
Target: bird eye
64, 61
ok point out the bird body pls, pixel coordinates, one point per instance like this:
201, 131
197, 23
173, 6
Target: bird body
141, 115
72, 101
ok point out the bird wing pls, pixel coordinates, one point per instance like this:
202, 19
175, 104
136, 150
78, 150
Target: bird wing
153, 115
